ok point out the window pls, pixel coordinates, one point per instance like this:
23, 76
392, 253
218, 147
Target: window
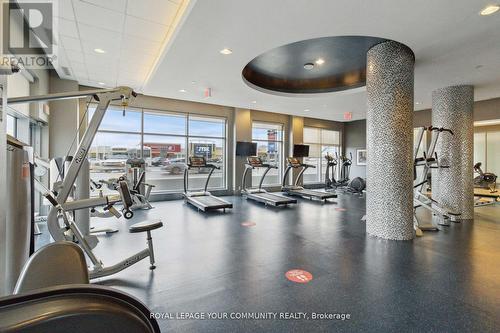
118, 139
12, 126
269, 139
321, 142
207, 139
167, 139
486, 148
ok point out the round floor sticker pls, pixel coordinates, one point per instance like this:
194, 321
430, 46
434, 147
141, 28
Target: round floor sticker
248, 224
299, 276
340, 209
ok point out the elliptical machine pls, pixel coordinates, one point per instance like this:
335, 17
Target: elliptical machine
485, 180
354, 186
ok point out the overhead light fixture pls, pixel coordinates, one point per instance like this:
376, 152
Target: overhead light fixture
101, 83
307, 110
225, 51
491, 9
320, 61
193, 82
308, 66
418, 103
254, 102
182, 90
99, 51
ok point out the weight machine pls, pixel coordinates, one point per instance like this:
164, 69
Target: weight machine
60, 201
420, 199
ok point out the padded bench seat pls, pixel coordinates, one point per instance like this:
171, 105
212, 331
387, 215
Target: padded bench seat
145, 226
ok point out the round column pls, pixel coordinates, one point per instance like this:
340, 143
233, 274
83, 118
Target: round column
453, 187
389, 127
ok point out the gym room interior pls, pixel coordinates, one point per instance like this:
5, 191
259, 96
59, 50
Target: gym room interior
249, 166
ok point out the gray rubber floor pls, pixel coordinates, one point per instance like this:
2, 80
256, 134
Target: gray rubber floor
447, 281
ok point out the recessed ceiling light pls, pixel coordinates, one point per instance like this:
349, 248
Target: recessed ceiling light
320, 61
193, 82
307, 110
418, 103
254, 102
182, 90
488, 10
225, 51
101, 83
309, 66
99, 51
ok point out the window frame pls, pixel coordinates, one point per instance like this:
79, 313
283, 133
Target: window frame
186, 138
321, 171
281, 150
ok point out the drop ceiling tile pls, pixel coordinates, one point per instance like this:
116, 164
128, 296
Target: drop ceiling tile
134, 45
137, 61
112, 47
89, 32
70, 43
65, 10
74, 56
68, 28
115, 5
141, 28
98, 17
159, 11
78, 66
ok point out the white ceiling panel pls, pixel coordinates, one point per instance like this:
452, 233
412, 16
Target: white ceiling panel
111, 47
65, 10
74, 56
141, 28
86, 25
98, 16
68, 28
134, 45
115, 5
92, 33
70, 43
159, 11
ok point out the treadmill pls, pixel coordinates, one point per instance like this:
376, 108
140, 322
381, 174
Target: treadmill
259, 194
203, 200
299, 191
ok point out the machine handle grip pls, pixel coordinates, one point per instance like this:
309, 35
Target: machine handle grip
51, 199
213, 166
115, 212
309, 166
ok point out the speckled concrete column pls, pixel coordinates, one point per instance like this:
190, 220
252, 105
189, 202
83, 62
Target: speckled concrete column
389, 127
452, 108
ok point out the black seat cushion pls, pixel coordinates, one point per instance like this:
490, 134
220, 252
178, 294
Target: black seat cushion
145, 226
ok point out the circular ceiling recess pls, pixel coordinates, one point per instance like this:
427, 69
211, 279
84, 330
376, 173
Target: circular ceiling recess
312, 66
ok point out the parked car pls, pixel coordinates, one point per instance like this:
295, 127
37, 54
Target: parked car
158, 161
174, 166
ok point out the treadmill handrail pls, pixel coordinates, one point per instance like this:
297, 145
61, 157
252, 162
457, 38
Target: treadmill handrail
206, 165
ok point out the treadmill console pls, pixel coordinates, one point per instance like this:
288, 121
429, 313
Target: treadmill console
254, 161
197, 161
294, 162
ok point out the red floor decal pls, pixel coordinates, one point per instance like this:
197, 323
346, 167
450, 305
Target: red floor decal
299, 276
340, 209
248, 224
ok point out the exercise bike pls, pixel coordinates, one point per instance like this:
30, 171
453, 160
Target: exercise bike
485, 180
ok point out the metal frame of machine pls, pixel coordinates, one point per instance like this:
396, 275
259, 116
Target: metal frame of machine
203, 200
259, 194
300, 191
